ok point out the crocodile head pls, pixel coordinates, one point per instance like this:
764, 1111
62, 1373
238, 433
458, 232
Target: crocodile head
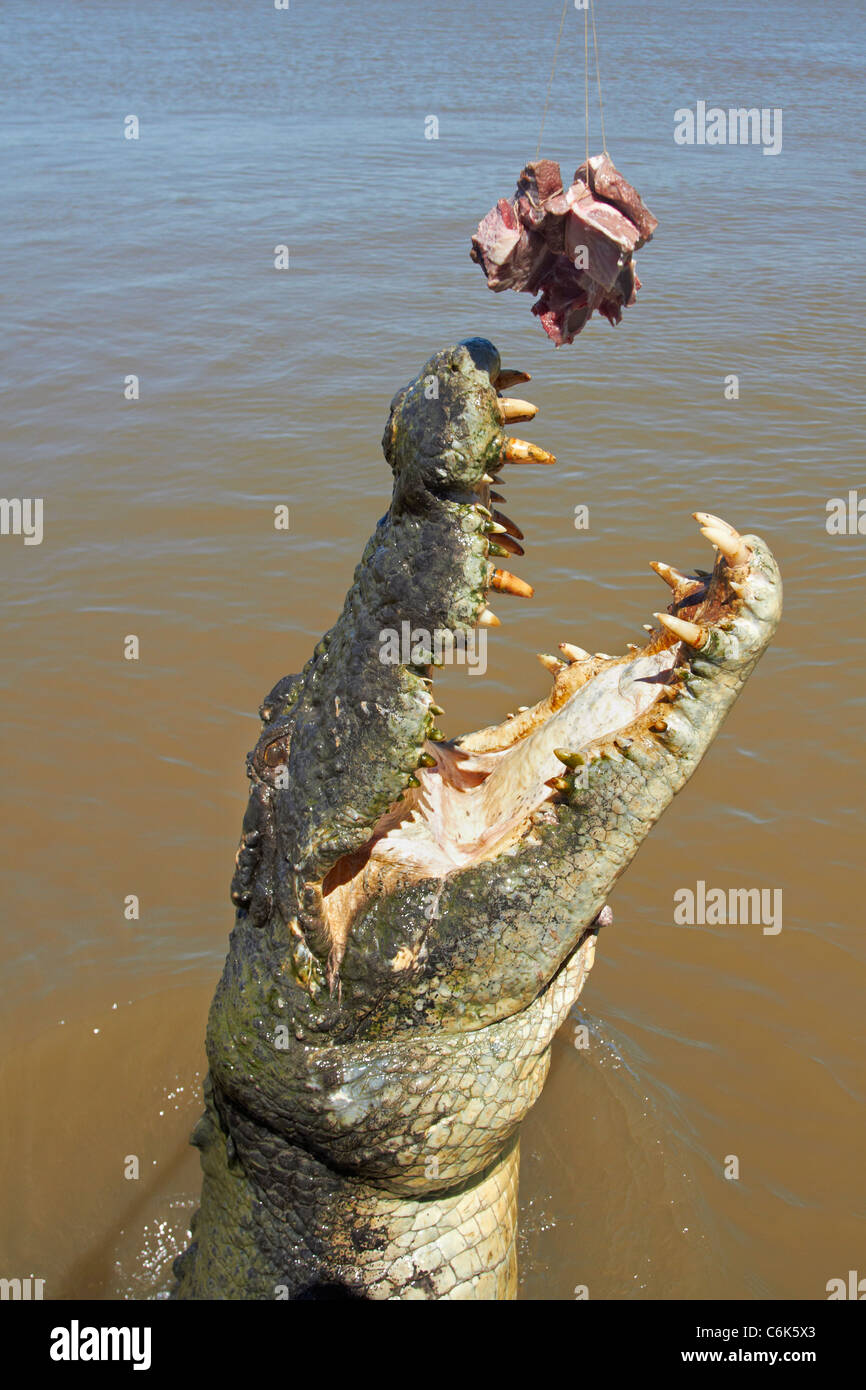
416, 915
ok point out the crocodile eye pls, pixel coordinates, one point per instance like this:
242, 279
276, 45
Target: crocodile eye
276, 753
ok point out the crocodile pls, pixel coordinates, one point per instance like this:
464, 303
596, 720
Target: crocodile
416, 915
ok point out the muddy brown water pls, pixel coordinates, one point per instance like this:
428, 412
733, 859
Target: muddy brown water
259, 387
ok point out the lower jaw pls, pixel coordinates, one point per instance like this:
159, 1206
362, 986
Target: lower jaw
471, 822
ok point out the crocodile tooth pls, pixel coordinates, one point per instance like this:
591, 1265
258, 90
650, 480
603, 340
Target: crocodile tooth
493, 528
516, 410
669, 574
659, 726
521, 451
486, 478
570, 759
488, 619
707, 519
603, 656
573, 653
509, 546
509, 376
426, 760
506, 523
632, 647
508, 583
494, 548
436, 709
550, 663
686, 632
720, 533
559, 784
412, 781
647, 627
729, 543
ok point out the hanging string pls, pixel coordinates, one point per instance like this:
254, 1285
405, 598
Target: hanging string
590, 10
552, 74
586, 82
598, 76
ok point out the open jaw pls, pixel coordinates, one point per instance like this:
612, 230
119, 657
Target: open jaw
478, 796
486, 795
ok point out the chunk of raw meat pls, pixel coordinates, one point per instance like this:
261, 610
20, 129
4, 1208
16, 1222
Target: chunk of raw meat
608, 184
572, 246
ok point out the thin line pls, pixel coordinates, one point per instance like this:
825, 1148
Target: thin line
550, 83
586, 83
598, 76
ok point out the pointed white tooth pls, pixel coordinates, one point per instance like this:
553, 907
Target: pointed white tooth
603, 656
715, 535
507, 583
669, 574
729, 543
550, 663
734, 550
488, 619
574, 653
512, 409
691, 633
521, 451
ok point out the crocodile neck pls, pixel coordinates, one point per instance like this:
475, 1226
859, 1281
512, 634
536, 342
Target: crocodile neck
431, 1210
316, 1234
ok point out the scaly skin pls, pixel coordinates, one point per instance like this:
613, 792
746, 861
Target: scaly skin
374, 1048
